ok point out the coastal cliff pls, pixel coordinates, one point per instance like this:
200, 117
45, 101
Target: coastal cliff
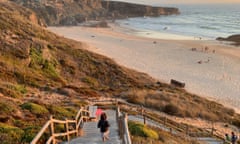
123, 9
73, 12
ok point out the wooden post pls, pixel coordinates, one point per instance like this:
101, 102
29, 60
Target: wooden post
120, 127
187, 129
76, 128
212, 129
143, 116
117, 112
165, 121
116, 102
52, 129
170, 130
144, 119
67, 130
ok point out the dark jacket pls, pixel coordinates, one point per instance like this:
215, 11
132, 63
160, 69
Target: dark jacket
103, 125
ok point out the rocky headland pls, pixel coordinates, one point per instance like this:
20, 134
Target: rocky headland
73, 12
233, 38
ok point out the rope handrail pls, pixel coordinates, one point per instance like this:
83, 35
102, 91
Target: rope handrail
81, 116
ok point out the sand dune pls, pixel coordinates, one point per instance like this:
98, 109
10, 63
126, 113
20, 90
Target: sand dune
211, 69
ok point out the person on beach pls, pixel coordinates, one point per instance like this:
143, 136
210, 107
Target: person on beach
104, 125
227, 138
233, 138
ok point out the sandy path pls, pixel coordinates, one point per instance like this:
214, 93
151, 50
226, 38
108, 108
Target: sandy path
217, 77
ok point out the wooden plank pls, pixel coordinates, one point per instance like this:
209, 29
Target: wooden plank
58, 121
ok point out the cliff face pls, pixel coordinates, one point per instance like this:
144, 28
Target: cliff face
123, 9
73, 12
64, 12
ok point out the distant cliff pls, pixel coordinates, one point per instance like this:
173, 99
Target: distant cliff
73, 12
123, 9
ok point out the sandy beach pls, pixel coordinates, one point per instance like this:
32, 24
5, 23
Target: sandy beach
209, 68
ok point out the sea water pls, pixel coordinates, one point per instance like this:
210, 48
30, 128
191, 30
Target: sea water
196, 21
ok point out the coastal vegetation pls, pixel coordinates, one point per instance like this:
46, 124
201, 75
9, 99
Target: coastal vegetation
43, 74
145, 134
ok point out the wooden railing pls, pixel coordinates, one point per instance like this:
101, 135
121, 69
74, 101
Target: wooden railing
123, 127
182, 129
122, 119
75, 124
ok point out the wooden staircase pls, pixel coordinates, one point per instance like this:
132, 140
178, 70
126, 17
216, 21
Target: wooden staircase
85, 126
91, 134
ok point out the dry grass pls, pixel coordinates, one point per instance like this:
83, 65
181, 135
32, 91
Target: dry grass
179, 103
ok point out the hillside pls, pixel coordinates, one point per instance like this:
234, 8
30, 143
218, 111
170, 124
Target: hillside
44, 74
69, 12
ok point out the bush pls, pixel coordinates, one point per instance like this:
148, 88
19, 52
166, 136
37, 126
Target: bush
20, 88
29, 133
5, 108
171, 109
35, 108
10, 134
62, 112
236, 122
138, 129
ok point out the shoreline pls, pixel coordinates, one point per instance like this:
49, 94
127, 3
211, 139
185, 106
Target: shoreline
157, 34
211, 73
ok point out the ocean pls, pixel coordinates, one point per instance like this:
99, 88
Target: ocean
195, 21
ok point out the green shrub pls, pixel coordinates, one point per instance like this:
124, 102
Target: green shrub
9, 92
5, 108
10, 134
35, 108
20, 88
13, 90
36, 58
62, 112
38, 62
138, 129
49, 68
29, 133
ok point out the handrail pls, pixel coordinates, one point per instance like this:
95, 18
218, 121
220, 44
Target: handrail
126, 138
81, 116
122, 121
123, 127
184, 129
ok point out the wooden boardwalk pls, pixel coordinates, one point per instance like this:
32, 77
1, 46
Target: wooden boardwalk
91, 134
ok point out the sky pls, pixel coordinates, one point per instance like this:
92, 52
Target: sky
182, 1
